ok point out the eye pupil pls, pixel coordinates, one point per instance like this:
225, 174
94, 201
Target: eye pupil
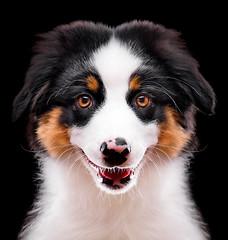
141, 99
84, 100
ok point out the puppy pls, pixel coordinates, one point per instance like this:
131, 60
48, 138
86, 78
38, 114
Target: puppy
111, 118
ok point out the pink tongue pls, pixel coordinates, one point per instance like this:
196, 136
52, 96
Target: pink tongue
116, 174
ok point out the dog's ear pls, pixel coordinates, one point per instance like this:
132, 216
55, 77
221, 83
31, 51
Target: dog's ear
38, 77
199, 90
193, 83
27, 99
21, 103
37, 81
185, 70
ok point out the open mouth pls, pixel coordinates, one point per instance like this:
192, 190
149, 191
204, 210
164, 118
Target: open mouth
115, 177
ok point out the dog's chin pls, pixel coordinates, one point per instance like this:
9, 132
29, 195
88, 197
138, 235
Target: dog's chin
113, 180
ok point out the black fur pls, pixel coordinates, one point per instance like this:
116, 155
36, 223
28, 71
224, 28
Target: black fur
61, 64
66, 49
168, 64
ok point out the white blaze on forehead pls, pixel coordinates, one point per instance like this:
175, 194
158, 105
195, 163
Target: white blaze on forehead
115, 64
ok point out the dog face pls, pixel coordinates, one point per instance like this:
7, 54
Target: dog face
115, 96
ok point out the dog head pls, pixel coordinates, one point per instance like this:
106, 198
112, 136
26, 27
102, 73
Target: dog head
113, 95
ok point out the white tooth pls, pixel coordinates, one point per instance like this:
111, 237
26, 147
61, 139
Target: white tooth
132, 175
100, 179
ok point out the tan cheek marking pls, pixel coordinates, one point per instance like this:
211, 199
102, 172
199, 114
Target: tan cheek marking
135, 83
52, 135
172, 135
92, 83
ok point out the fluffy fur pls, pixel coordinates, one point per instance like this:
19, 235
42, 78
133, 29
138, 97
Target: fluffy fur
111, 117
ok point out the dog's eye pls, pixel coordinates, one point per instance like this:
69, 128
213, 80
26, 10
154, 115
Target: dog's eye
84, 101
143, 101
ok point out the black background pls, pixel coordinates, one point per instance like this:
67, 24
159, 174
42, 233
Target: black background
203, 27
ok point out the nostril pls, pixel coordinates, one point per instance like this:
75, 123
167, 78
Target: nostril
108, 149
120, 141
104, 148
126, 151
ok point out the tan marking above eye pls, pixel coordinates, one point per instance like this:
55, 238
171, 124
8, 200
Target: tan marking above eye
92, 83
135, 83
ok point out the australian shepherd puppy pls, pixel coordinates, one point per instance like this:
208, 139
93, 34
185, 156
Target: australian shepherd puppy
111, 117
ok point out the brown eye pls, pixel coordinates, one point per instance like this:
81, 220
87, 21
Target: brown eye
84, 101
143, 101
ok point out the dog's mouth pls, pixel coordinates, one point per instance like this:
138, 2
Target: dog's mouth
114, 178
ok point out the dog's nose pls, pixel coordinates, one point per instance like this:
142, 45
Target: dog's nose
115, 151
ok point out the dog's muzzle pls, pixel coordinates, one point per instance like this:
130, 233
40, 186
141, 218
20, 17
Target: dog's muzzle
115, 174
115, 153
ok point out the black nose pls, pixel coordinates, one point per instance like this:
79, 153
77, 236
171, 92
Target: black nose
115, 151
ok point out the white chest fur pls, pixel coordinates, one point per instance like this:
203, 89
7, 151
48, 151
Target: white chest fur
71, 207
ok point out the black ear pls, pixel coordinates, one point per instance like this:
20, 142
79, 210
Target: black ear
27, 99
42, 71
185, 70
200, 91
36, 85
188, 78
21, 103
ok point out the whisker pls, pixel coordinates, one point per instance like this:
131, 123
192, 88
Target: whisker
57, 160
160, 158
166, 154
174, 78
57, 92
78, 168
158, 171
164, 88
71, 148
180, 80
148, 168
72, 153
183, 150
172, 99
141, 167
44, 150
63, 89
72, 165
168, 92
138, 191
